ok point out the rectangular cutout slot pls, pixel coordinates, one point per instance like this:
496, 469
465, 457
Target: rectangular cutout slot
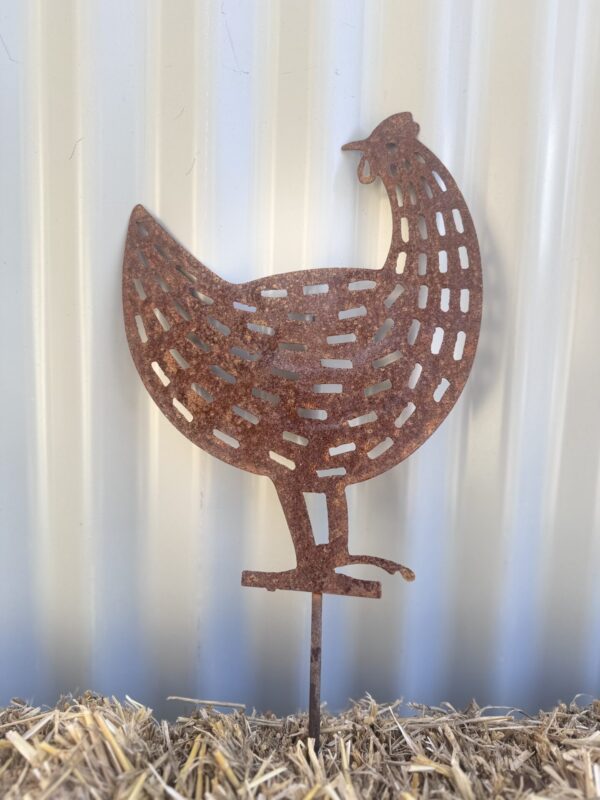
279, 459
203, 393
141, 329
219, 326
376, 388
295, 438
222, 373
285, 373
244, 414
331, 472
312, 413
406, 413
389, 358
294, 346
160, 373
383, 330
396, 292
439, 180
341, 338
459, 345
197, 342
226, 438
164, 323
162, 283
464, 300
437, 340
404, 229
441, 389
427, 189
244, 307
141, 292
187, 275
185, 412
316, 288
361, 286
260, 328
327, 388
268, 397
458, 223
203, 298
340, 449
245, 355
414, 376
380, 448
445, 299
352, 313
364, 419
183, 313
440, 223
300, 316
413, 331
179, 359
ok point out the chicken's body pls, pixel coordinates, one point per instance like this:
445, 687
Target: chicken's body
321, 377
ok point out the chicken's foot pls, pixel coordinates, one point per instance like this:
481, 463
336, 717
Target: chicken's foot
383, 563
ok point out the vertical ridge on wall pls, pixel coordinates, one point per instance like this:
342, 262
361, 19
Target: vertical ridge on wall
281, 644
473, 558
18, 646
584, 368
331, 222
171, 551
121, 545
64, 567
111, 184
545, 247
527, 406
573, 464
34, 254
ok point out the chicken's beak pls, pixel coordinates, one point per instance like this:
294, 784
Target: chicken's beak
355, 145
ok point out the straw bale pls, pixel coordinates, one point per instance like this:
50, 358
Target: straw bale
98, 747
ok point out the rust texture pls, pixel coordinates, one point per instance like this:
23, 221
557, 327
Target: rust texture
317, 378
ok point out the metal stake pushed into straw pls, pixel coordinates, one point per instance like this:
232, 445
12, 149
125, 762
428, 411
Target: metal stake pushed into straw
314, 695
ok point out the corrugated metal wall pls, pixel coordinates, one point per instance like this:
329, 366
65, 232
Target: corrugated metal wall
121, 547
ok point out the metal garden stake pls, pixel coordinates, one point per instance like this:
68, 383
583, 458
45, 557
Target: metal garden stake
322, 377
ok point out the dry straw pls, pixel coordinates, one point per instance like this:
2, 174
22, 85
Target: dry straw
95, 747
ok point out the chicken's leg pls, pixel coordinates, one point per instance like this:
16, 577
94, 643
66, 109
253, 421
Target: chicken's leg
296, 515
315, 564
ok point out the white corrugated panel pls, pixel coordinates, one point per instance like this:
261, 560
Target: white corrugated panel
121, 546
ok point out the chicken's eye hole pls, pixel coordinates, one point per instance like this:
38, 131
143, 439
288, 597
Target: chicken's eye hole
364, 171
391, 145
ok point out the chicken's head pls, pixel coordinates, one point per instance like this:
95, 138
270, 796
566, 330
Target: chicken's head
383, 149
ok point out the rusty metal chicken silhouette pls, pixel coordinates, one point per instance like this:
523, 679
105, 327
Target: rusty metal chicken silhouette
322, 377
